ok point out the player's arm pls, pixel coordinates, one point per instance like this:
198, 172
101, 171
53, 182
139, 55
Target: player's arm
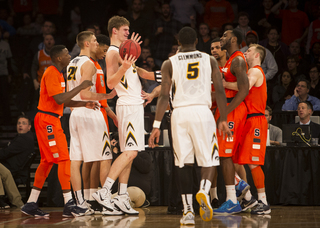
145, 74
162, 103
87, 71
114, 72
112, 115
239, 69
253, 76
150, 96
65, 98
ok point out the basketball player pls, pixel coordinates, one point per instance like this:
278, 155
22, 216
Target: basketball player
188, 74
235, 69
253, 140
51, 139
92, 172
123, 75
89, 133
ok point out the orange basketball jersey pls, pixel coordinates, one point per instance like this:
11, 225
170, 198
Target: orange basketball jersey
52, 83
228, 76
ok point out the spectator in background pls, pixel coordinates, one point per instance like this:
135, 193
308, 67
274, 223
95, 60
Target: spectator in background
139, 23
153, 66
269, 65
285, 89
301, 93
5, 80
38, 22
204, 39
292, 64
295, 49
165, 31
186, 11
305, 110
263, 18
214, 33
145, 52
314, 56
278, 49
52, 10
227, 26
19, 9
7, 30
295, 22
217, 13
14, 156
27, 29
243, 27
275, 133
314, 32
41, 61
314, 74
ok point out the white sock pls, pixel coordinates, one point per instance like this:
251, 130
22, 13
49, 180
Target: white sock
213, 193
86, 194
108, 183
79, 197
231, 193
187, 202
92, 190
248, 195
67, 196
122, 188
34, 195
205, 185
262, 196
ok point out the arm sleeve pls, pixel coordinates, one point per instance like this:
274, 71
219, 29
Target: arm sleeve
290, 104
316, 103
279, 136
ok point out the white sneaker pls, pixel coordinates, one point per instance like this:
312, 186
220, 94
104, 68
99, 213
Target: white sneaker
123, 203
115, 211
205, 211
187, 218
103, 197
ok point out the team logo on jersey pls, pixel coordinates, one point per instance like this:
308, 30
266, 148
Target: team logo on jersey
123, 81
215, 149
224, 70
131, 140
231, 125
134, 70
106, 148
49, 129
257, 132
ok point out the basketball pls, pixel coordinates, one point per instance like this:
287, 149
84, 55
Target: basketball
129, 47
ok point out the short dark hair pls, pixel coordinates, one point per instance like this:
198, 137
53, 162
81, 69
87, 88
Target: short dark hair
56, 51
308, 103
217, 39
187, 35
294, 57
269, 110
103, 39
314, 66
237, 34
306, 81
24, 116
243, 14
273, 28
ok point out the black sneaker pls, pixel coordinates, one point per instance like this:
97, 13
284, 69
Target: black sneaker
215, 203
245, 204
261, 209
33, 209
68, 208
95, 206
3, 205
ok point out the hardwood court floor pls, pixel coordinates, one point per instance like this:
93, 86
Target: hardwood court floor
156, 217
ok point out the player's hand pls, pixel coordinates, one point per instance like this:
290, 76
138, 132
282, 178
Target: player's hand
111, 95
154, 136
135, 37
224, 129
92, 105
128, 61
25, 75
224, 83
36, 84
86, 83
296, 92
146, 96
115, 121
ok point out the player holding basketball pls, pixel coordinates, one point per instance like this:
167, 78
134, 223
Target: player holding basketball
253, 140
89, 133
123, 75
234, 70
189, 73
51, 139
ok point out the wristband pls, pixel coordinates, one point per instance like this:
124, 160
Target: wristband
156, 124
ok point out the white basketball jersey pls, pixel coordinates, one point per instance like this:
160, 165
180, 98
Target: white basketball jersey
191, 79
74, 75
129, 87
